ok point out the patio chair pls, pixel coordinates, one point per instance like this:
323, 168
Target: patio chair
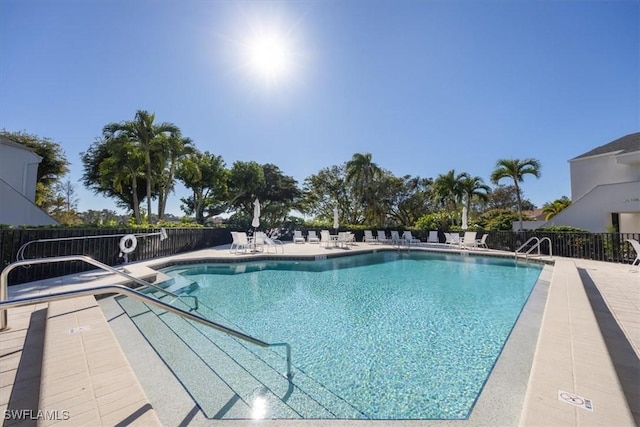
234, 243
482, 242
382, 237
325, 238
344, 238
368, 237
395, 237
263, 241
297, 237
312, 237
242, 242
407, 237
469, 240
636, 247
452, 238
433, 237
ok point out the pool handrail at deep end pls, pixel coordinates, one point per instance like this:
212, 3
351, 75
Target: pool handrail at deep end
124, 290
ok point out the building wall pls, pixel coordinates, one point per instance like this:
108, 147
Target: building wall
593, 210
19, 169
590, 172
18, 178
16, 209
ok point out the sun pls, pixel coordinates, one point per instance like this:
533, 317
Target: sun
269, 56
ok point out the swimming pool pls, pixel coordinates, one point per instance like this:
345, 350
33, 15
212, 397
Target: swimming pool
395, 335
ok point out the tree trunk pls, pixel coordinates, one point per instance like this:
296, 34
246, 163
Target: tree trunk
147, 156
519, 200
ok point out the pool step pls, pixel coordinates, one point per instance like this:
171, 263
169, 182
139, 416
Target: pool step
207, 361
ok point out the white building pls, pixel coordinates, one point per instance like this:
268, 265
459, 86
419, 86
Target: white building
605, 188
18, 177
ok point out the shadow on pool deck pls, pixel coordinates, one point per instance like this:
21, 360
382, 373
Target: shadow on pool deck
623, 356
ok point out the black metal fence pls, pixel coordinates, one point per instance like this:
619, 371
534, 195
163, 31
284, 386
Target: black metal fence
105, 248
610, 247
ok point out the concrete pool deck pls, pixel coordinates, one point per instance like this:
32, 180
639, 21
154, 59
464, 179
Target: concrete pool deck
587, 346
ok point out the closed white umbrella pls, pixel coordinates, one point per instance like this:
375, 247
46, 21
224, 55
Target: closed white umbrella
335, 218
464, 218
256, 214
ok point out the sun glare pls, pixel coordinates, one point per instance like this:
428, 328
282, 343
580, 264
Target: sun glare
269, 56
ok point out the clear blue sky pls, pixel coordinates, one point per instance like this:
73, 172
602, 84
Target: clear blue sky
425, 86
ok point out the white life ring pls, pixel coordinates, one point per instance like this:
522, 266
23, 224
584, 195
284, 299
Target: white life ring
125, 246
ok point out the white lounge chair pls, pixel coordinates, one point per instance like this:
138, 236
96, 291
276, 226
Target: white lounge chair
312, 237
395, 238
636, 247
368, 237
452, 238
469, 240
234, 243
325, 238
482, 242
263, 241
242, 242
382, 237
297, 237
433, 237
407, 237
344, 238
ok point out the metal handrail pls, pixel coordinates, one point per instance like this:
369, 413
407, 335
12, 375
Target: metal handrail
4, 295
526, 243
536, 245
123, 290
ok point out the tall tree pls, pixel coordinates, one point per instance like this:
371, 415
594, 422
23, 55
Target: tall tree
473, 188
279, 195
172, 148
205, 175
406, 198
114, 168
52, 168
361, 172
448, 191
516, 170
147, 135
246, 181
65, 209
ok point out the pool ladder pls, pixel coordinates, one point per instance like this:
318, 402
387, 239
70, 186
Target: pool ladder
535, 246
5, 304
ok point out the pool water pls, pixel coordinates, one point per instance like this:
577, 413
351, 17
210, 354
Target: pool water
396, 335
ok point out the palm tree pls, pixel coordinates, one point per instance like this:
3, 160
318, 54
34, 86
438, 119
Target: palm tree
361, 172
172, 148
124, 168
516, 169
448, 190
552, 209
145, 133
473, 188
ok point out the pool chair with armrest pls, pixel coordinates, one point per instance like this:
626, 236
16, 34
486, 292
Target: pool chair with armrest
368, 237
239, 242
409, 239
482, 242
433, 237
266, 242
325, 238
469, 240
297, 237
636, 247
312, 237
382, 237
395, 238
452, 238
242, 242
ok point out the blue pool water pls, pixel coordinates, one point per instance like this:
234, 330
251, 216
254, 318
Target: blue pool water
397, 335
